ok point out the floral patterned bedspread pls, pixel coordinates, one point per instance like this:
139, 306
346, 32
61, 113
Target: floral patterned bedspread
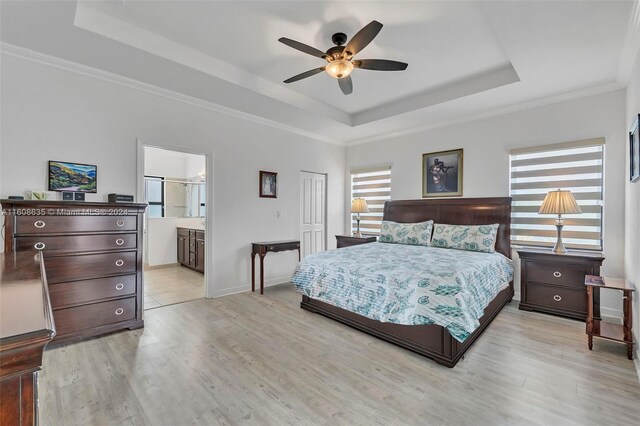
405, 284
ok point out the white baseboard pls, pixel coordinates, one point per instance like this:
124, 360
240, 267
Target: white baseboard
611, 315
247, 287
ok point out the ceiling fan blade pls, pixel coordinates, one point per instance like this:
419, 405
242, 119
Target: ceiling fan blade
363, 38
380, 65
304, 75
303, 47
346, 85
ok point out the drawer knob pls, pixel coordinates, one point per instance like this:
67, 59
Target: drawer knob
119, 262
119, 286
39, 224
119, 311
557, 298
557, 274
119, 241
39, 245
120, 222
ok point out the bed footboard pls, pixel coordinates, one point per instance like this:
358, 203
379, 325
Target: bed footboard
432, 341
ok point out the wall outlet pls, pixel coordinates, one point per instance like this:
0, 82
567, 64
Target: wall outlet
278, 214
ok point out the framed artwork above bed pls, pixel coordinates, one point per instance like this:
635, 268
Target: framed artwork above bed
634, 151
442, 174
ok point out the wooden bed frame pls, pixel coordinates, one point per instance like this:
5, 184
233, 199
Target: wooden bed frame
434, 341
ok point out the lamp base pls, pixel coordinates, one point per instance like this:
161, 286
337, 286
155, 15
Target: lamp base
559, 247
358, 234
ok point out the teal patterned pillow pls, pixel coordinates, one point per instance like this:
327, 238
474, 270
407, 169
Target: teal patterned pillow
465, 237
417, 234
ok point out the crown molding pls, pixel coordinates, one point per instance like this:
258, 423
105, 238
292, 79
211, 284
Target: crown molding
631, 45
87, 71
536, 103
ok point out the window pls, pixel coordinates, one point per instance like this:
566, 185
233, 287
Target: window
576, 166
374, 185
154, 195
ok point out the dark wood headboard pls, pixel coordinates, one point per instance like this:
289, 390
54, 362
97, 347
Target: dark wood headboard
457, 211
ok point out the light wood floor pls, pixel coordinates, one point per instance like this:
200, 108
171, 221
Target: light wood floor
174, 284
247, 359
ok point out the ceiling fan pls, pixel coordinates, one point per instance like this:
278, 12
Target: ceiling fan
340, 58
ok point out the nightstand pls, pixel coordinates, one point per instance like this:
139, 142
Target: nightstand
554, 283
348, 241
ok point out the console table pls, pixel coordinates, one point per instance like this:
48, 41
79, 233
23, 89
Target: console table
617, 332
26, 326
261, 249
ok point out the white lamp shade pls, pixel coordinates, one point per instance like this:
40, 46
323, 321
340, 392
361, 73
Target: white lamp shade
559, 202
359, 205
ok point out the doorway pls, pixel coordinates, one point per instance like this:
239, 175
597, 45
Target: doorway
174, 185
313, 208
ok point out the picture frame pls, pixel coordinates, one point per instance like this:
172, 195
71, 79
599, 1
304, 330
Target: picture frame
634, 151
268, 184
442, 173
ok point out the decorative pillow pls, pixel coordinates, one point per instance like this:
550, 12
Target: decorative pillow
465, 237
417, 234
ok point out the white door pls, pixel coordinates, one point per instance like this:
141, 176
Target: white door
313, 195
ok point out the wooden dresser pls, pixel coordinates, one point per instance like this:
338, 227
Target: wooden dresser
26, 326
191, 248
554, 283
92, 257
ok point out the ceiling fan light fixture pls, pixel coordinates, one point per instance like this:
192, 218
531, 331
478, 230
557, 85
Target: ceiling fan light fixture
340, 68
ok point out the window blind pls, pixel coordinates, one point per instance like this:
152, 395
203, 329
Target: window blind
577, 167
374, 185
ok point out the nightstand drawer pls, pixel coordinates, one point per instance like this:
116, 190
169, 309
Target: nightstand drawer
562, 299
557, 273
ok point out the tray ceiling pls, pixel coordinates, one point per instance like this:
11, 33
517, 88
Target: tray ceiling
464, 57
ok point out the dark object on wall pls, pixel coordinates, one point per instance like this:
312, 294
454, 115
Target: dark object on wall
78, 196
120, 198
268, 184
93, 259
72, 177
434, 341
442, 174
191, 248
67, 196
27, 327
634, 151
554, 283
16, 197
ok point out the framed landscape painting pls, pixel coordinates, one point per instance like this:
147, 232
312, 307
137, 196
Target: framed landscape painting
634, 152
442, 174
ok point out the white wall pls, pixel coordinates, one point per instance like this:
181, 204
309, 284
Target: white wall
167, 163
53, 113
632, 207
487, 144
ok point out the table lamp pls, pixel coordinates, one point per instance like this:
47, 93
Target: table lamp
359, 205
559, 202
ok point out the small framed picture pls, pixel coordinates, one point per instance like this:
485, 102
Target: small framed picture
268, 184
442, 174
634, 151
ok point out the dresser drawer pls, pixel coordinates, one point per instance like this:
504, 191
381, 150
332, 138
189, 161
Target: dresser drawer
192, 245
549, 272
557, 298
69, 224
86, 266
77, 243
88, 316
79, 292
